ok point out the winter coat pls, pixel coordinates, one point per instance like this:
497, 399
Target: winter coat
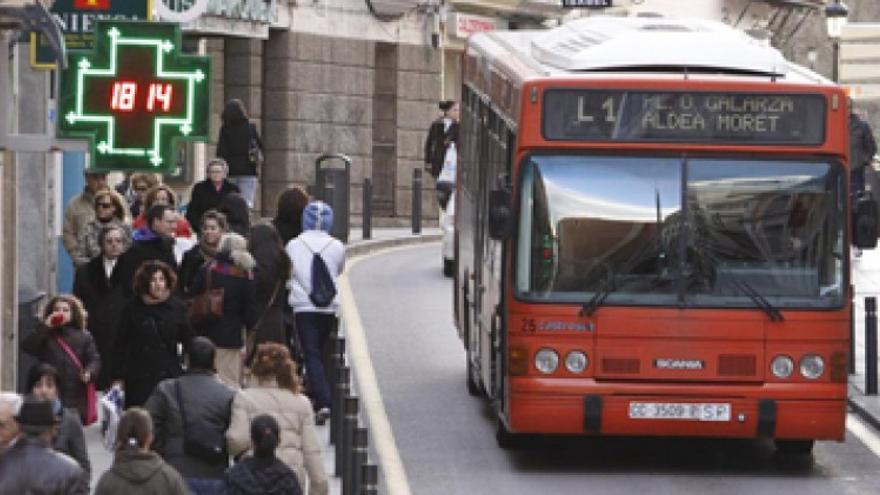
271, 283
299, 447
183, 228
103, 299
80, 210
89, 244
252, 476
862, 146
204, 197
140, 473
208, 403
234, 142
43, 345
147, 246
436, 142
31, 467
193, 261
71, 441
146, 350
301, 252
239, 302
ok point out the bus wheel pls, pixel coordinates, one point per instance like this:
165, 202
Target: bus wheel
794, 447
448, 267
473, 387
505, 439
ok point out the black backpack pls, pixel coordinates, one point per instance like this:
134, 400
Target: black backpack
323, 289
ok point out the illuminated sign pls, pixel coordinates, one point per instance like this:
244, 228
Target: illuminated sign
134, 96
587, 4
731, 118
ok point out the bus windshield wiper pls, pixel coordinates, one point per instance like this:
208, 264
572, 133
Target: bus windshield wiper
598, 298
759, 300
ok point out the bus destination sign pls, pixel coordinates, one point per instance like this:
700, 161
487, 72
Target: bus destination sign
727, 118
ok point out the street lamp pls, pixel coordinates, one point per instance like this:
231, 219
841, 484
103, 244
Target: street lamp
835, 18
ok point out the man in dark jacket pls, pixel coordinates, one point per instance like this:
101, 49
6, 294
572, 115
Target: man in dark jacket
153, 242
98, 284
209, 193
208, 403
862, 148
30, 465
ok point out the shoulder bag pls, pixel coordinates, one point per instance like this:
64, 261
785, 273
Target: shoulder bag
199, 440
207, 306
91, 395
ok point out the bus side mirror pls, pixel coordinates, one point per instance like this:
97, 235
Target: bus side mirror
500, 215
865, 222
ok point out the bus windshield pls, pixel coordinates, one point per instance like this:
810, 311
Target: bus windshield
681, 231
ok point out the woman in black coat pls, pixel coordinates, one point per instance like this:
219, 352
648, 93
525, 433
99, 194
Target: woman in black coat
153, 323
288, 213
103, 295
194, 260
440, 135
232, 270
64, 318
271, 275
209, 193
237, 138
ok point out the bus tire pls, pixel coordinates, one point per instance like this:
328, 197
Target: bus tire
473, 387
448, 267
505, 439
794, 447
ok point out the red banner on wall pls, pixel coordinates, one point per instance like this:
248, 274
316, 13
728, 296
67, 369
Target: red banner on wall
91, 4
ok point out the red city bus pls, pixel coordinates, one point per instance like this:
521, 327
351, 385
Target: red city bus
652, 241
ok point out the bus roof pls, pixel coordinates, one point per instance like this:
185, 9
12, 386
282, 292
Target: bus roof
637, 45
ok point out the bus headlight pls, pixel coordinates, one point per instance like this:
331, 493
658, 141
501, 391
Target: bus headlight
812, 366
782, 366
576, 361
546, 361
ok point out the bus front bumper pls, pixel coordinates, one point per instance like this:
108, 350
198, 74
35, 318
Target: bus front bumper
784, 411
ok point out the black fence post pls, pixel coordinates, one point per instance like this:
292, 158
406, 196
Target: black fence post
341, 389
358, 459
852, 334
417, 201
871, 346
370, 480
349, 423
367, 220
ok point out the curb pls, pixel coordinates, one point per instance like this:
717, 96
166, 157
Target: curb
362, 248
860, 409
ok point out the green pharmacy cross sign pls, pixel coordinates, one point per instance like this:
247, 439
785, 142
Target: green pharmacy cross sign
134, 95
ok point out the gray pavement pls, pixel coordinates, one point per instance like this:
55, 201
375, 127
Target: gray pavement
866, 278
381, 238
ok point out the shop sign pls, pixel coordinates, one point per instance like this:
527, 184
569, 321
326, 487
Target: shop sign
464, 25
134, 96
77, 19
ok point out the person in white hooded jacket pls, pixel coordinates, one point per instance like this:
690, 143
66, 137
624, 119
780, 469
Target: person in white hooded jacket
315, 324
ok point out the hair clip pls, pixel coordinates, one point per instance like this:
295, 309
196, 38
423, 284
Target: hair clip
133, 442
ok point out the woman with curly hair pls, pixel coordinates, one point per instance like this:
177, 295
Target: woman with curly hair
61, 339
153, 323
276, 391
163, 195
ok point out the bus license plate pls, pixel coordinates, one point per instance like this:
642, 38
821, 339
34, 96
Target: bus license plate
686, 411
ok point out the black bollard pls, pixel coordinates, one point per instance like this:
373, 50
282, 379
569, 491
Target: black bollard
871, 346
417, 201
334, 359
368, 209
358, 459
346, 438
340, 389
370, 480
852, 334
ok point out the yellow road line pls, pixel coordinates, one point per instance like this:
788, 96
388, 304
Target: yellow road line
390, 462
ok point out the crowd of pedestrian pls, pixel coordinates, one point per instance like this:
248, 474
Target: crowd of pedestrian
200, 340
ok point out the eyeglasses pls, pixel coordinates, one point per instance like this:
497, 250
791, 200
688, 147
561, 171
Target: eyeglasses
105, 205
141, 188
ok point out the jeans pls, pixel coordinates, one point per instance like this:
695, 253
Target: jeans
313, 330
248, 186
204, 486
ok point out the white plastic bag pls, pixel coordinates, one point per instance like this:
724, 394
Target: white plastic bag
447, 173
111, 411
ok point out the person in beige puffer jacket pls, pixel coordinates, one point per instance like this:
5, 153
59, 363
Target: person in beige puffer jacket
276, 391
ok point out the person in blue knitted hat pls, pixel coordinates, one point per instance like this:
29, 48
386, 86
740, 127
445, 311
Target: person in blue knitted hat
317, 260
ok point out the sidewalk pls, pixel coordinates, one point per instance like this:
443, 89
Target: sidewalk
866, 278
381, 238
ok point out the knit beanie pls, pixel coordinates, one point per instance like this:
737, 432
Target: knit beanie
317, 215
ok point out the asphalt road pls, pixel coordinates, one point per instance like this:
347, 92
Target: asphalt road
446, 437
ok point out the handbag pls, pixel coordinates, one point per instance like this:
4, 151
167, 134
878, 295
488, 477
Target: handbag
207, 306
200, 441
255, 154
91, 394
